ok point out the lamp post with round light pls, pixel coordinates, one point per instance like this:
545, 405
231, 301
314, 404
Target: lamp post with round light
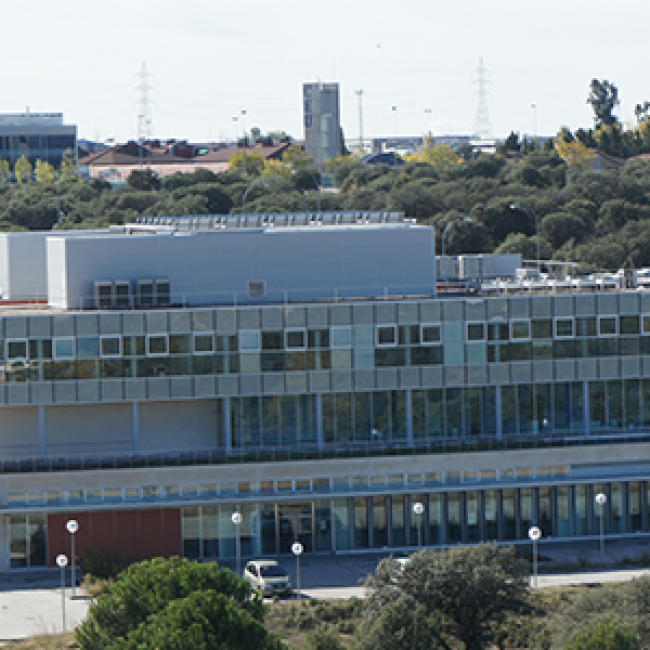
257, 181
62, 563
72, 526
236, 519
601, 500
297, 549
534, 533
418, 511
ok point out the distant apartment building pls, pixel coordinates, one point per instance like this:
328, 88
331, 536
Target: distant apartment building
322, 121
38, 136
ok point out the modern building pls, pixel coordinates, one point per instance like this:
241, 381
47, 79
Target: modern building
321, 115
38, 136
309, 372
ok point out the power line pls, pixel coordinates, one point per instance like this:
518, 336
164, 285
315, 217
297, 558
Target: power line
482, 125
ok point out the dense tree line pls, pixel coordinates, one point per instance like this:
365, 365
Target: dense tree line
600, 219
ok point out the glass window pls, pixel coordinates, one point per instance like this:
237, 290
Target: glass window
542, 328
64, 348
157, 346
273, 340
645, 320
386, 335
507, 474
564, 327
131, 493
629, 324
475, 331
17, 349
607, 325
111, 346
171, 491
88, 348
112, 494
520, 329
321, 484
179, 344
249, 341
430, 334
295, 339
341, 337
498, 332
586, 326
203, 343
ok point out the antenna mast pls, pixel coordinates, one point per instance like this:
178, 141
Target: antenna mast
144, 104
482, 125
359, 94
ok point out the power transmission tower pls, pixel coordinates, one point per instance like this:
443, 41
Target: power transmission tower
359, 94
144, 86
482, 125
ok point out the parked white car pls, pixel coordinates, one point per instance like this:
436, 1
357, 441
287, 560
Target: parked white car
267, 576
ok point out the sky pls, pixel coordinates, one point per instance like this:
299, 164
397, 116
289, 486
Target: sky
210, 60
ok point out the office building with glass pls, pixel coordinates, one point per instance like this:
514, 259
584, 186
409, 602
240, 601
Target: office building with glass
321, 385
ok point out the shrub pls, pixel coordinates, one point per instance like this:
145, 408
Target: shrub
323, 639
102, 564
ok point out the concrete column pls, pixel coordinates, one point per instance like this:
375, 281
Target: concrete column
135, 425
499, 414
227, 426
585, 406
5, 542
409, 418
42, 432
319, 421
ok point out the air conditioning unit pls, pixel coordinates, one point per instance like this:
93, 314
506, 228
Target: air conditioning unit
122, 294
104, 295
145, 293
163, 296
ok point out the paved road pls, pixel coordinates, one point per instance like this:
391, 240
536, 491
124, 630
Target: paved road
30, 603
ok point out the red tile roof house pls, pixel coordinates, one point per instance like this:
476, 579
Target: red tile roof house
115, 164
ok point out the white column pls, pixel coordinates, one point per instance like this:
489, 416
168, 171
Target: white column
319, 421
227, 426
42, 432
498, 412
135, 425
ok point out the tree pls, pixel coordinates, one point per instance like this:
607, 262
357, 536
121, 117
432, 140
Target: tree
23, 170
250, 160
45, 173
143, 179
575, 154
607, 635
603, 98
5, 171
68, 172
296, 157
202, 621
438, 155
463, 593
147, 588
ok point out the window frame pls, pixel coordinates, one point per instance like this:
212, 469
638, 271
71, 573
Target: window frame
242, 334
520, 338
295, 330
387, 327
573, 327
599, 332
209, 335
148, 352
467, 326
102, 354
8, 342
423, 326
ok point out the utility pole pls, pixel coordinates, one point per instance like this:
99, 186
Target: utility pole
359, 94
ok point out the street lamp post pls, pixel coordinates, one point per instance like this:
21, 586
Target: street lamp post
316, 183
72, 526
447, 228
534, 533
601, 500
395, 120
516, 206
236, 520
418, 511
62, 563
257, 181
297, 549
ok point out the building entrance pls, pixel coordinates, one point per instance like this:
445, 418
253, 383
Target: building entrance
296, 525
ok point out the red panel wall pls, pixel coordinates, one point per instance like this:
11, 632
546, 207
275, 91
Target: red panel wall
137, 534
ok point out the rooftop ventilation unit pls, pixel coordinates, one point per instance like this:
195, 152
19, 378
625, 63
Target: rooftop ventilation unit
104, 295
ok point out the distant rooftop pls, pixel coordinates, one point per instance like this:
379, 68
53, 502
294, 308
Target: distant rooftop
31, 119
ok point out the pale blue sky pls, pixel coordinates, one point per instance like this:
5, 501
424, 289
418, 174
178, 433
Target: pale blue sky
210, 59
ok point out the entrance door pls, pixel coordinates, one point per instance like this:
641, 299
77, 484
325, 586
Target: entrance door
296, 525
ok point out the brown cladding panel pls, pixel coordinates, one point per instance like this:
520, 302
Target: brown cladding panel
137, 534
